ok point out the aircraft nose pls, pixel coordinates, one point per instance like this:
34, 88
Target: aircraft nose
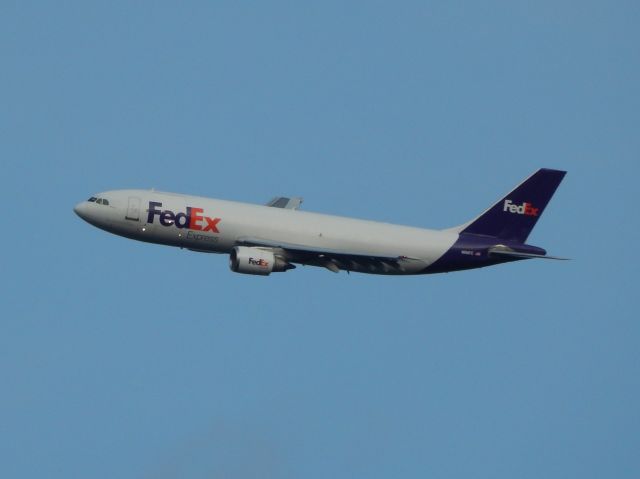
81, 210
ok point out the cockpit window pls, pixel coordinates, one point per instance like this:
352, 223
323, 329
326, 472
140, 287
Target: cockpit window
99, 201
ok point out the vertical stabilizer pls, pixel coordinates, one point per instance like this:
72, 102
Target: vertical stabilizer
515, 215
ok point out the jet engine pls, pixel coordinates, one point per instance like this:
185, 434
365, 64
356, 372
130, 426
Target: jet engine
247, 260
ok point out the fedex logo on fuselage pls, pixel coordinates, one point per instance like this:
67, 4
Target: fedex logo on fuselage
193, 219
525, 208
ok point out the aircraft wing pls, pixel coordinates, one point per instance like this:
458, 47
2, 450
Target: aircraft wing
332, 259
285, 202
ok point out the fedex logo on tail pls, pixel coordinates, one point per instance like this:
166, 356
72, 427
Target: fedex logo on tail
193, 219
525, 208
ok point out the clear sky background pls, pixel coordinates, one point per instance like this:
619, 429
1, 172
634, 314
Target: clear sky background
120, 359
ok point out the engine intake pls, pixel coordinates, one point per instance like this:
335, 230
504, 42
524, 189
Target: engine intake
260, 261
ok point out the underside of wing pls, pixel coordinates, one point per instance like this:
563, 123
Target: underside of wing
332, 259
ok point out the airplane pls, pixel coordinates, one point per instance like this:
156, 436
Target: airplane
264, 239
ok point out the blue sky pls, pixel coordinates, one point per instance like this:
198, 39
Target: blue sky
121, 359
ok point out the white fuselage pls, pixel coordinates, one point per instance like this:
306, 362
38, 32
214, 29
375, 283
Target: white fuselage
218, 226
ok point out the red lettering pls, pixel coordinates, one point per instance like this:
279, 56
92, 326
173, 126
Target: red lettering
195, 219
212, 224
529, 210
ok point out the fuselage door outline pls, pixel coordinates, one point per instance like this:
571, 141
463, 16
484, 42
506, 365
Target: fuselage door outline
133, 209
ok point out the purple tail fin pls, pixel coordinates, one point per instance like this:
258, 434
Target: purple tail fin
515, 215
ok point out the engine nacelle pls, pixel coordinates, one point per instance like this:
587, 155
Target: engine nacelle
247, 260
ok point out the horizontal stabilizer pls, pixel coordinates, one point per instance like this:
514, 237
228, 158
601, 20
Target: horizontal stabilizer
515, 254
